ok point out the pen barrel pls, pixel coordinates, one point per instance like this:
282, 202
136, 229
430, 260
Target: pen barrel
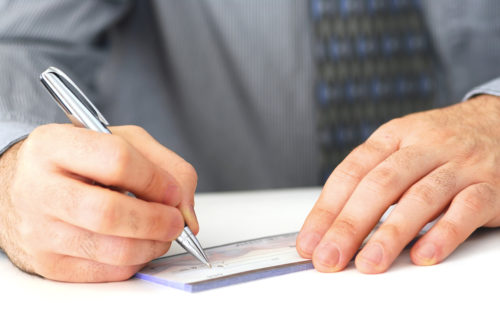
77, 107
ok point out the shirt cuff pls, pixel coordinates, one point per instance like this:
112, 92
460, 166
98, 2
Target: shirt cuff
13, 132
491, 88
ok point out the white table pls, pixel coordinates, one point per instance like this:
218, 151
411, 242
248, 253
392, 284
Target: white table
460, 295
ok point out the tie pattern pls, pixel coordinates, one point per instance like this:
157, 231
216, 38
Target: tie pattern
374, 62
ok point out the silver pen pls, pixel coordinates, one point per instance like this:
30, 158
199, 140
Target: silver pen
83, 113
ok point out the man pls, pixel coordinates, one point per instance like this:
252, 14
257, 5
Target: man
227, 85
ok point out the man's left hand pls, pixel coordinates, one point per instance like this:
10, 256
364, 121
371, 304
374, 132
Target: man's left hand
440, 161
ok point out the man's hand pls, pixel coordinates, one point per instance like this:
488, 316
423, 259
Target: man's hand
59, 222
445, 160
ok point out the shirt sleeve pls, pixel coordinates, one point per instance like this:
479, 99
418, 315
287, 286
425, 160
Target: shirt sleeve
11, 133
69, 34
491, 88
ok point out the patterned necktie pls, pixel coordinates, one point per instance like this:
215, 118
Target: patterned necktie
374, 62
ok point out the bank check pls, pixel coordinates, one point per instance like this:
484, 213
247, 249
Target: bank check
235, 263
231, 264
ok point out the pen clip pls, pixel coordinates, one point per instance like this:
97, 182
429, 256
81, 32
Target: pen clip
72, 100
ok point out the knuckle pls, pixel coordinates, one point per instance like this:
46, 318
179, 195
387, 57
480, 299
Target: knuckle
485, 192
155, 223
36, 141
350, 170
106, 214
134, 221
124, 252
384, 139
372, 144
191, 171
119, 158
472, 202
468, 148
346, 227
153, 180
42, 136
422, 193
395, 123
405, 158
28, 232
188, 170
477, 197
162, 222
382, 177
46, 130
136, 129
392, 231
86, 244
437, 184
175, 221
450, 230
323, 214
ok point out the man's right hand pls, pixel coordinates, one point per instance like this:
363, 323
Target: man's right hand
58, 222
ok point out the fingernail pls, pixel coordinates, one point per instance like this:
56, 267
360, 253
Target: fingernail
176, 227
308, 242
190, 217
327, 254
426, 254
371, 254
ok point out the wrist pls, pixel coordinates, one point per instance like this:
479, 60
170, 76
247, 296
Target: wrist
483, 100
8, 163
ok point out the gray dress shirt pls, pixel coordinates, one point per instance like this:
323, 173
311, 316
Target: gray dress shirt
227, 84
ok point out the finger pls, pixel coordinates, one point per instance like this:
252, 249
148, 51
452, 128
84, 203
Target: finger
473, 207
77, 270
169, 161
380, 188
73, 241
111, 161
418, 206
338, 188
107, 212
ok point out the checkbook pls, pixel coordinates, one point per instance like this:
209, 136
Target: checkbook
237, 262
231, 264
